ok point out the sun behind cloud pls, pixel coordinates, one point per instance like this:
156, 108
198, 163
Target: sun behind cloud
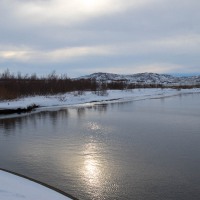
67, 12
90, 4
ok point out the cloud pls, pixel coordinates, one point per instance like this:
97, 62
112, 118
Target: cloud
57, 55
85, 35
66, 12
184, 44
178, 44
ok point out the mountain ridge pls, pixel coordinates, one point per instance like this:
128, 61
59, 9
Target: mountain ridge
144, 78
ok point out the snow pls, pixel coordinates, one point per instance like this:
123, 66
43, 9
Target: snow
90, 98
13, 187
145, 79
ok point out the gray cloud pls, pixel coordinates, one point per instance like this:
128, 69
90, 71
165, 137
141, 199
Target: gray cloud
107, 35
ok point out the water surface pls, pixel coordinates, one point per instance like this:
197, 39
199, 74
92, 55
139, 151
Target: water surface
137, 150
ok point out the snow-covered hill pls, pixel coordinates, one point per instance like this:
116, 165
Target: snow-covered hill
145, 78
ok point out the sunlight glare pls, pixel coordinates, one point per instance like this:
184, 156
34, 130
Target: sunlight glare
91, 166
91, 5
91, 170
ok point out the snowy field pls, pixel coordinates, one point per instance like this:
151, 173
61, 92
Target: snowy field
89, 98
16, 188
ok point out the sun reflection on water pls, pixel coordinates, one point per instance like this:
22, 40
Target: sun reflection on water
94, 126
91, 170
91, 165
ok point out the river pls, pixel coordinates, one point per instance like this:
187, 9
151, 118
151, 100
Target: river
147, 149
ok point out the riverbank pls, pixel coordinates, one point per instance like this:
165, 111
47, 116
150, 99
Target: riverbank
13, 187
87, 98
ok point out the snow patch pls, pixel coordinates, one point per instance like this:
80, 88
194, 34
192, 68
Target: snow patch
13, 187
90, 98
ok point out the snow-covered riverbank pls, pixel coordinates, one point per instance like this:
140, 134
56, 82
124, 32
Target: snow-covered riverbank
13, 187
87, 98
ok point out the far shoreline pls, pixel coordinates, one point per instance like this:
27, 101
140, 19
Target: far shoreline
34, 104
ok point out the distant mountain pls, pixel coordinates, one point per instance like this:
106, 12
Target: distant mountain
144, 79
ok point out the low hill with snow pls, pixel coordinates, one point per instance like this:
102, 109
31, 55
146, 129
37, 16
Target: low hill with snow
144, 79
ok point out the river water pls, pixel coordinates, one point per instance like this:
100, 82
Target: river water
146, 149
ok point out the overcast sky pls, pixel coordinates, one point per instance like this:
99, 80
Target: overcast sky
79, 37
